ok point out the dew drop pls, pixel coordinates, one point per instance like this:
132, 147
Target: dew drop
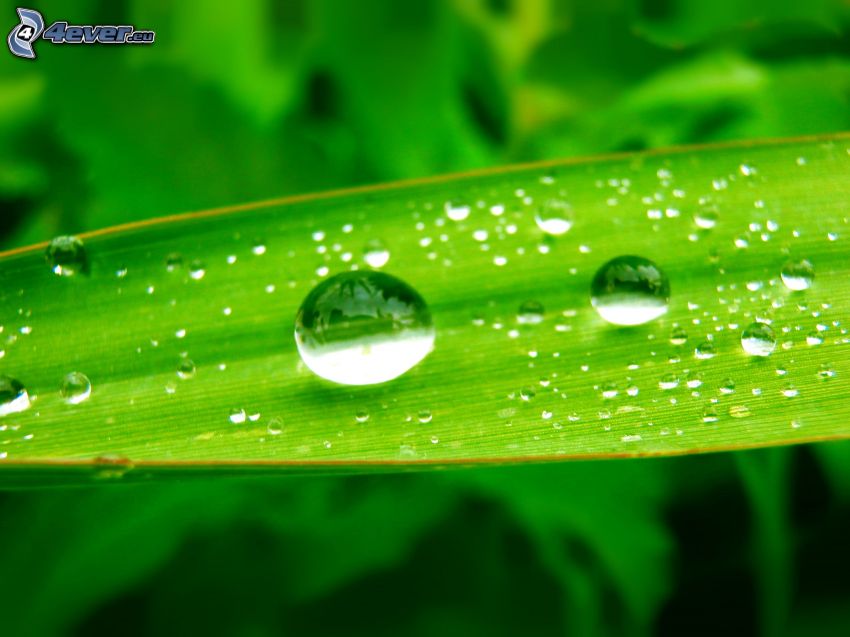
173, 262
425, 416
197, 270
376, 254
798, 275
758, 339
825, 371
814, 338
705, 350
456, 210
530, 313
630, 290
678, 336
705, 219
66, 256
275, 426
609, 391
554, 217
14, 397
727, 386
668, 381
695, 380
237, 416
186, 369
363, 328
361, 416
740, 411
76, 388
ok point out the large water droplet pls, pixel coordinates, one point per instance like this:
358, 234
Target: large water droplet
362, 328
554, 217
76, 388
66, 256
758, 339
630, 290
798, 275
13, 396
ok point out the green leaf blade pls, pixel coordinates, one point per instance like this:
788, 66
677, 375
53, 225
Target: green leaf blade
125, 332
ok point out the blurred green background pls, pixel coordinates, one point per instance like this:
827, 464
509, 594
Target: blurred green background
240, 101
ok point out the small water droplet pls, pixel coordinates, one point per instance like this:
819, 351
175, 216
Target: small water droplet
425, 416
456, 210
173, 262
705, 219
709, 414
798, 275
361, 416
197, 270
76, 388
186, 369
814, 338
739, 411
705, 350
66, 256
668, 381
238, 416
789, 391
376, 254
259, 248
554, 217
727, 386
694, 380
362, 328
758, 339
275, 426
530, 313
630, 290
609, 391
678, 336
13, 396
527, 393
825, 371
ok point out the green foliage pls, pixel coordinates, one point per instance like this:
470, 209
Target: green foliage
305, 96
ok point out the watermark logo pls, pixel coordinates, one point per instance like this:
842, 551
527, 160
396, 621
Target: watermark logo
22, 38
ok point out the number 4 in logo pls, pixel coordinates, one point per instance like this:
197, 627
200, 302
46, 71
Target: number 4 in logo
22, 37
